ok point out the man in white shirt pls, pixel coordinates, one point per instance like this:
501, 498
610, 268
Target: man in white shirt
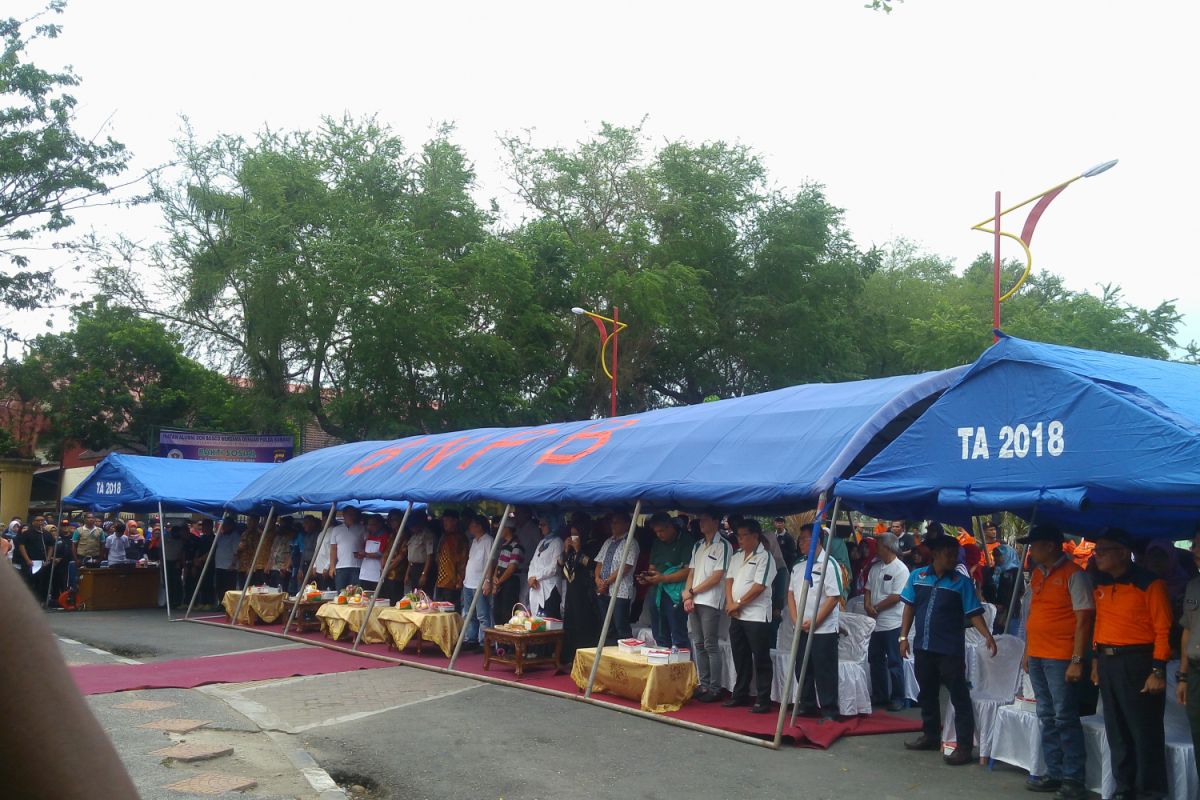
346, 543
476, 579
704, 599
822, 609
748, 603
608, 561
885, 581
114, 546
320, 570
545, 578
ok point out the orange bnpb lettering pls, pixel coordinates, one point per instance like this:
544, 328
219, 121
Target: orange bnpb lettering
439, 453
382, 456
515, 440
599, 437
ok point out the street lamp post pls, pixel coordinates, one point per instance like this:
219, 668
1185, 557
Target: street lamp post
1043, 200
606, 336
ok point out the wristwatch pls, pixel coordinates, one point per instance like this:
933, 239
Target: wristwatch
1076, 659
904, 638
1159, 672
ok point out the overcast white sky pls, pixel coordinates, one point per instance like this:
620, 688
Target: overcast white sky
912, 120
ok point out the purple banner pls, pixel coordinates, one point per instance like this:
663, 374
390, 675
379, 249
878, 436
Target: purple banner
197, 446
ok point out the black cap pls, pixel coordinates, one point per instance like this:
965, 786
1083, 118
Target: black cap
942, 542
1118, 535
1042, 533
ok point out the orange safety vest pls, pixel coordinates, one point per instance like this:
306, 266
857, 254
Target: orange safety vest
1133, 610
1050, 630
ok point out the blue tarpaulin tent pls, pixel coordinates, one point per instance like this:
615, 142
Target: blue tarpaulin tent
141, 483
776, 450
1091, 439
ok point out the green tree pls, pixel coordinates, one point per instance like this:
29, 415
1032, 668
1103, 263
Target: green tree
47, 170
116, 378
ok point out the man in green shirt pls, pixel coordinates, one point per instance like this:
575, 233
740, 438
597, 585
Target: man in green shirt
668, 571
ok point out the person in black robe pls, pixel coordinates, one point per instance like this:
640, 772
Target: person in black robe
581, 616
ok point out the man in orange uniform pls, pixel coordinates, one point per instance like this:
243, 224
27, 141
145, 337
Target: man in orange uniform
1133, 620
1061, 612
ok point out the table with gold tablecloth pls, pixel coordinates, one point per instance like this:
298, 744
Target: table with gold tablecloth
440, 627
265, 606
659, 687
337, 618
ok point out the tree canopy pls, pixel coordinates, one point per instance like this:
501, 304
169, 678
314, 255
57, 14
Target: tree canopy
351, 278
47, 169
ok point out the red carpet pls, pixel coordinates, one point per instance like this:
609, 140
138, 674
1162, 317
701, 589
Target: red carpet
192, 672
807, 733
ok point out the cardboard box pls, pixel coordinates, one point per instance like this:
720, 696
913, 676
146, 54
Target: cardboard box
630, 645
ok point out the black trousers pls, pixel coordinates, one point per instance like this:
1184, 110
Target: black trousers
935, 670
1133, 722
175, 583
821, 680
751, 646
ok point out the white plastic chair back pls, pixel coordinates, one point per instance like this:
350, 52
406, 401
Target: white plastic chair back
856, 638
997, 677
989, 616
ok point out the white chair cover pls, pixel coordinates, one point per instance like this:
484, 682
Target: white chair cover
854, 682
857, 604
855, 630
974, 637
646, 634
994, 685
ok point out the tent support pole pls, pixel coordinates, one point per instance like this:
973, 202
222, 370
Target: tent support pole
162, 556
311, 563
475, 595
1019, 583
794, 650
612, 599
383, 575
204, 569
62, 474
253, 562
800, 608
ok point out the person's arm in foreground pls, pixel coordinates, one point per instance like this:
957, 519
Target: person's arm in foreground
40, 672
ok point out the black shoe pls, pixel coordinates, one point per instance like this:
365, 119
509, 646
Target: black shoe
700, 693
711, 697
1043, 784
809, 711
923, 743
959, 757
733, 700
1071, 790
896, 706
761, 708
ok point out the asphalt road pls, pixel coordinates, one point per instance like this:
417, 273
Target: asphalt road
498, 742
436, 737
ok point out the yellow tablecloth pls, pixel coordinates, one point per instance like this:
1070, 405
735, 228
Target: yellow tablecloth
267, 607
335, 619
441, 627
659, 687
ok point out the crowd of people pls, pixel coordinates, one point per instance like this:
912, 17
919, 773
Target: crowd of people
1099, 616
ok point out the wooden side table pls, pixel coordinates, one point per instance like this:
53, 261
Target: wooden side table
305, 619
520, 641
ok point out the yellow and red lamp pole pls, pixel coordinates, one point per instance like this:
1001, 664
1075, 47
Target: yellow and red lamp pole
1026, 237
606, 336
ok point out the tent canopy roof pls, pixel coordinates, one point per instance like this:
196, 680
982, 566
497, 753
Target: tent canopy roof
140, 483
772, 451
1090, 439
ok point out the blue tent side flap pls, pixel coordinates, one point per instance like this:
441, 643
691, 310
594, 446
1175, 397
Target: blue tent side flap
1088, 439
774, 450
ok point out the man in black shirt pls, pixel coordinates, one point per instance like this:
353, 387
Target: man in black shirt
30, 556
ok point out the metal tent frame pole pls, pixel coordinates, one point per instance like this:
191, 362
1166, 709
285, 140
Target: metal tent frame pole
612, 598
475, 596
250, 572
162, 556
1020, 581
204, 569
383, 574
311, 563
800, 609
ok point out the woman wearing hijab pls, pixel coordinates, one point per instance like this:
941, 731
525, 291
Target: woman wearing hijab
1000, 580
135, 545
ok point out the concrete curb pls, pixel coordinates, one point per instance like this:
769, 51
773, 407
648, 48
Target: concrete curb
317, 777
